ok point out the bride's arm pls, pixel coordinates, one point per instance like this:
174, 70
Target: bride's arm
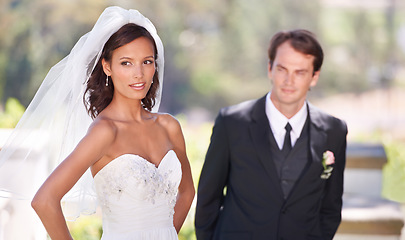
186, 191
46, 202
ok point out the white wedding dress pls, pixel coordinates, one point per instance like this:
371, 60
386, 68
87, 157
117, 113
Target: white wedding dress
137, 198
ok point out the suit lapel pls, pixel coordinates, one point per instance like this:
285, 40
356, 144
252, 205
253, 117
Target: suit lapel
260, 134
317, 141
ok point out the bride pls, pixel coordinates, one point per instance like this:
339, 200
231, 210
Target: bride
137, 156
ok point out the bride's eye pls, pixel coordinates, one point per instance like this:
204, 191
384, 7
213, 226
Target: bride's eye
125, 63
148, 62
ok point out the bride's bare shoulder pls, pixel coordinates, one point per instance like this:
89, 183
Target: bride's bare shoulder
103, 127
174, 131
169, 122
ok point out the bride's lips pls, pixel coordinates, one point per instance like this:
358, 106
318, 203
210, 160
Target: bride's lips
137, 86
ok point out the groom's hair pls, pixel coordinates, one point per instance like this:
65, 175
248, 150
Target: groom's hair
302, 41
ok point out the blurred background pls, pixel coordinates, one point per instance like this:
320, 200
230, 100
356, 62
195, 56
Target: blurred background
216, 55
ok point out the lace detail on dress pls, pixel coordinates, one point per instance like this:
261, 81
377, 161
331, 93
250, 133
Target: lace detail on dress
155, 182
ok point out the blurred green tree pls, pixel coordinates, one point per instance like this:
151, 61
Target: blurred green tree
216, 52
11, 114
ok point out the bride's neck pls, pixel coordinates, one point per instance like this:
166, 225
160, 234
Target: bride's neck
129, 110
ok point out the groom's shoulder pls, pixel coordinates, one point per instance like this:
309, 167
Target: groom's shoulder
329, 121
241, 110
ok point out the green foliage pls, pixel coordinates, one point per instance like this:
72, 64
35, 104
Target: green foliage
86, 228
12, 113
35, 38
197, 138
187, 232
393, 187
393, 172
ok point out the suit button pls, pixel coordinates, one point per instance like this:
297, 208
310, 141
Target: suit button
284, 211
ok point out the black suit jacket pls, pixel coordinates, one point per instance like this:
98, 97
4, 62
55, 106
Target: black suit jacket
239, 193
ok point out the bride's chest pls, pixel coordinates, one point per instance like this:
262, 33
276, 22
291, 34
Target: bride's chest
134, 178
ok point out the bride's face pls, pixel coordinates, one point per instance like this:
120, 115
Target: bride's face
132, 68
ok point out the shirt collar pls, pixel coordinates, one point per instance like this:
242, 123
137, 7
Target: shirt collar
278, 120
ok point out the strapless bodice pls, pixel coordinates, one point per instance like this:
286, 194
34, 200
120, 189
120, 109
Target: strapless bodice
137, 198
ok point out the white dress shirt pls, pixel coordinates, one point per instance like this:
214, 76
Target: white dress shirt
278, 121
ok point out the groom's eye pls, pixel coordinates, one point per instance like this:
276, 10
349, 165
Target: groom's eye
280, 69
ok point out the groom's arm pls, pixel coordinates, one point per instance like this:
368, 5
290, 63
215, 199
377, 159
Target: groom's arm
212, 182
332, 202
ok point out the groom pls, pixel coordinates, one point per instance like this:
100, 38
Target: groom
274, 168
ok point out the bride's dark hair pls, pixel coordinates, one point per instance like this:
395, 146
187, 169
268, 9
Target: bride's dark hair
98, 94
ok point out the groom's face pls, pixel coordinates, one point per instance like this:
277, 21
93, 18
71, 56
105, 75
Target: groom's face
292, 75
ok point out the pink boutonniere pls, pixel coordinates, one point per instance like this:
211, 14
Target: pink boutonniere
328, 159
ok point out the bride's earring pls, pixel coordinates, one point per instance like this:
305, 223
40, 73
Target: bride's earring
106, 82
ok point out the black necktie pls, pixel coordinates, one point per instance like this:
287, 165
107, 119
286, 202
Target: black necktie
287, 140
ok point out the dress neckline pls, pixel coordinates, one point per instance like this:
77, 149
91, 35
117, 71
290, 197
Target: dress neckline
137, 157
